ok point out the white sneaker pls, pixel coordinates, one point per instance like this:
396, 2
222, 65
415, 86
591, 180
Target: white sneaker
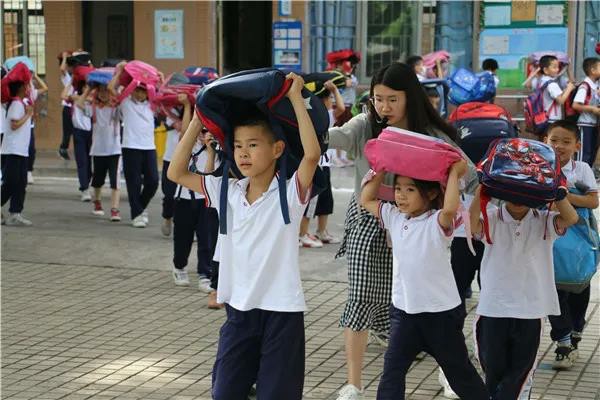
165, 227
350, 392
204, 285
448, 392
145, 217
17, 219
138, 222
180, 276
29, 178
85, 195
309, 240
326, 237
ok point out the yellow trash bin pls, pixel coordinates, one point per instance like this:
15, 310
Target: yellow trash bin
160, 140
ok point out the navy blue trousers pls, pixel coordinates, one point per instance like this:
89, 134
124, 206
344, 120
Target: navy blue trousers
192, 217
31, 151
589, 144
573, 307
14, 181
139, 167
266, 347
168, 188
507, 349
439, 334
82, 141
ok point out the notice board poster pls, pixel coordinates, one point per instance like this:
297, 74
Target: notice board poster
512, 30
168, 34
287, 45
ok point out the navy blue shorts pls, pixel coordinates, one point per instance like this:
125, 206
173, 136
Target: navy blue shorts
262, 347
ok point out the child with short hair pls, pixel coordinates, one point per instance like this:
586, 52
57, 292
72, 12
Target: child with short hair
553, 96
321, 206
416, 63
67, 124
567, 328
138, 149
587, 103
517, 290
15, 153
81, 118
105, 149
262, 340
426, 313
491, 65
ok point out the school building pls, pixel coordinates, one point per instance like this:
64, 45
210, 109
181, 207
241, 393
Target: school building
235, 35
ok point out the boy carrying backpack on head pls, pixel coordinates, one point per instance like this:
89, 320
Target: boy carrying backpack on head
262, 340
587, 103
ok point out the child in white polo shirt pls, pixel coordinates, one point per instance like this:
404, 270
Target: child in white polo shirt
105, 149
587, 103
15, 153
262, 340
426, 314
567, 328
517, 290
138, 149
553, 96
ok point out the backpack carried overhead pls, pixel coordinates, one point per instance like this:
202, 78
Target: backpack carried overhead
430, 61
167, 95
11, 62
19, 73
222, 101
314, 79
78, 58
466, 86
80, 74
100, 76
138, 73
479, 124
576, 254
536, 117
521, 171
200, 75
407, 153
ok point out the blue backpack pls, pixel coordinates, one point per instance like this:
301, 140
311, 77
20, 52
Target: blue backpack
466, 86
576, 254
220, 102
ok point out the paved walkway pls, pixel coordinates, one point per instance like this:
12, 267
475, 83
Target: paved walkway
85, 332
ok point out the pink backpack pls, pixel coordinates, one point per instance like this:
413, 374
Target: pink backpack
401, 152
407, 153
138, 73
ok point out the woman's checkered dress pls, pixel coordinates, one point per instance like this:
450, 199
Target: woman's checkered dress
369, 271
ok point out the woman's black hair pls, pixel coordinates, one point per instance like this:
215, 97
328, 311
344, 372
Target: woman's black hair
420, 113
14, 87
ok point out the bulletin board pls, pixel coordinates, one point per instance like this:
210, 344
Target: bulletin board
513, 30
287, 45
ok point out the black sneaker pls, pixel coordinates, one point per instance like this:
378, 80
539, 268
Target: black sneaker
565, 357
575, 339
64, 154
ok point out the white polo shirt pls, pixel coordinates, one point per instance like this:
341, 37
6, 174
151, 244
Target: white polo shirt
138, 124
82, 119
16, 141
106, 132
583, 91
172, 140
259, 255
422, 275
579, 171
551, 92
517, 269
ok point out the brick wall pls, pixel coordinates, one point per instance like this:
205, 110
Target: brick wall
63, 31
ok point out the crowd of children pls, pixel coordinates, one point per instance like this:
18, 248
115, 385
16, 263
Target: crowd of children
410, 304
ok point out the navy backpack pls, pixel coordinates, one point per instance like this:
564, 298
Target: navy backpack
218, 103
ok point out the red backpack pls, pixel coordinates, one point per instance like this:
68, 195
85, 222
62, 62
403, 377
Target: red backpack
19, 73
570, 113
536, 118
